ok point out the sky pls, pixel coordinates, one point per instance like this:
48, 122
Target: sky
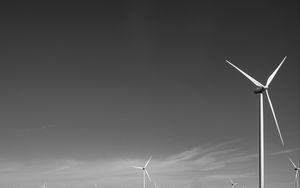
88, 90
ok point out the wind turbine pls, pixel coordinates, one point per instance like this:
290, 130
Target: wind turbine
44, 185
233, 184
144, 171
296, 172
260, 90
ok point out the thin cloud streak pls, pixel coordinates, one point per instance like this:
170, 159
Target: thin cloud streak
286, 151
68, 164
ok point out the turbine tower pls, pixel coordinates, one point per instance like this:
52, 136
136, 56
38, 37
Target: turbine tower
260, 90
296, 173
144, 171
233, 184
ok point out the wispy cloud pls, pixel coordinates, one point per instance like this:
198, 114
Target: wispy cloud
286, 151
10, 167
65, 165
204, 163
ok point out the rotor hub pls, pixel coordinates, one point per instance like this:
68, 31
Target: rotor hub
260, 90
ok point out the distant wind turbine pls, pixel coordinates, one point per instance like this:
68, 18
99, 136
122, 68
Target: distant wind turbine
144, 171
233, 184
262, 88
296, 173
44, 185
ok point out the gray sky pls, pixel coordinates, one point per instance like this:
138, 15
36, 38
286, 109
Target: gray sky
87, 90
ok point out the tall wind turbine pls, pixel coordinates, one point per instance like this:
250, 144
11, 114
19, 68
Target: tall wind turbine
233, 184
296, 173
260, 90
144, 171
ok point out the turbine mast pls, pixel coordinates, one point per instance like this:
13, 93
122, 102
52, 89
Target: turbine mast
144, 174
261, 142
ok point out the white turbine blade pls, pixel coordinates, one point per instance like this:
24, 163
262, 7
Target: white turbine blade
231, 181
257, 83
141, 168
148, 162
274, 73
279, 132
293, 163
148, 175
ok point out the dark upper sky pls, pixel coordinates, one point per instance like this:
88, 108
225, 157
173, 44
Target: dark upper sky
124, 79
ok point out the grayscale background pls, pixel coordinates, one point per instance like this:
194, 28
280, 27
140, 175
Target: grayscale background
89, 89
